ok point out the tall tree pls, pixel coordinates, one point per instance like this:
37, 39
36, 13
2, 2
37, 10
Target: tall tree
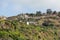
49, 11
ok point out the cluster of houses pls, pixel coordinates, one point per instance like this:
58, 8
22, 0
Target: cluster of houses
25, 18
28, 19
3, 18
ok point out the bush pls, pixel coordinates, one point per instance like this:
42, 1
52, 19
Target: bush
45, 24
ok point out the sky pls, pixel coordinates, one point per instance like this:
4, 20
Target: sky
15, 7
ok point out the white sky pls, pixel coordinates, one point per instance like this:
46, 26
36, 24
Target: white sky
18, 6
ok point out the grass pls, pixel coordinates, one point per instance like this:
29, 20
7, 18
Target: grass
18, 31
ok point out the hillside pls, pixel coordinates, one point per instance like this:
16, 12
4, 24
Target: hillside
31, 26
15, 30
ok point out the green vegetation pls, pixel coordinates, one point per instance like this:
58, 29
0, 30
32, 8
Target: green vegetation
31, 26
15, 30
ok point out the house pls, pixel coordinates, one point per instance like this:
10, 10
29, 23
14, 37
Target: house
12, 18
31, 22
3, 18
27, 23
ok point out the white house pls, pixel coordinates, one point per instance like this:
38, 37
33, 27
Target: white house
27, 23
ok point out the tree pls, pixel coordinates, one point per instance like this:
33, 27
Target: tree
38, 13
45, 23
59, 14
49, 11
32, 14
43, 14
54, 12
